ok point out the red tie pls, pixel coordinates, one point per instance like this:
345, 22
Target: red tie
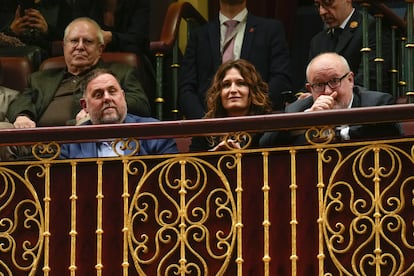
229, 37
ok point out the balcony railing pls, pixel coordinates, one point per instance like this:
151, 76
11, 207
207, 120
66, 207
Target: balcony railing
317, 209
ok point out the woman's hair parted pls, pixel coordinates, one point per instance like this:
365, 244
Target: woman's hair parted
260, 101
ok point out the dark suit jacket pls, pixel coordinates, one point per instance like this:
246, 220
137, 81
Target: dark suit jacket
350, 44
362, 98
264, 45
44, 84
149, 146
55, 13
130, 32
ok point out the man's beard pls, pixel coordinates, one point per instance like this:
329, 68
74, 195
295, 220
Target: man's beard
232, 2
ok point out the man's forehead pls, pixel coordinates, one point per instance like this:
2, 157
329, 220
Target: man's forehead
82, 26
82, 33
105, 79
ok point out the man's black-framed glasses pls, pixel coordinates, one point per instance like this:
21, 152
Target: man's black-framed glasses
333, 83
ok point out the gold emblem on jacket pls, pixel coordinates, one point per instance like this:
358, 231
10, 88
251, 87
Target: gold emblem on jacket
353, 24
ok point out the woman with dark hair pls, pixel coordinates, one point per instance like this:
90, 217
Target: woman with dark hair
237, 90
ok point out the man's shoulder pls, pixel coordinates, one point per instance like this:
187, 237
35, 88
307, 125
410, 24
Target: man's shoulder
370, 97
48, 72
5, 91
131, 118
265, 21
117, 66
366, 92
213, 24
300, 105
355, 22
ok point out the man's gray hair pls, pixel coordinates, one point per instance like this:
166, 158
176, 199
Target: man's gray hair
89, 20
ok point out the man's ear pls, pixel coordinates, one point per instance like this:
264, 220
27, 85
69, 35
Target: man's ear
101, 49
308, 87
83, 103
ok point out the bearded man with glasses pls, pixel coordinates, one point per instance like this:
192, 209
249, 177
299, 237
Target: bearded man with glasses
331, 83
52, 98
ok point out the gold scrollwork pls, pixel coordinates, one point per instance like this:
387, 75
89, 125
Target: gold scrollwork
127, 147
42, 151
243, 138
233, 140
186, 222
21, 238
365, 229
320, 136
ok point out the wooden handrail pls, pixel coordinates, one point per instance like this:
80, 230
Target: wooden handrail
169, 33
182, 128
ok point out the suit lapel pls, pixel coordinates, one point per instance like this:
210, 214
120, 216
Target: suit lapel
55, 80
214, 39
249, 35
354, 23
356, 102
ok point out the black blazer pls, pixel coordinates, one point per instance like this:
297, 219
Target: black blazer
131, 29
349, 45
362, 98
264, 45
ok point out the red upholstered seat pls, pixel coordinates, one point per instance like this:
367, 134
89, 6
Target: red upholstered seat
15, 72
109, 57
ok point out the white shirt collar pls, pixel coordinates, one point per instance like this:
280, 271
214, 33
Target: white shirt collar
241, 17
342, 26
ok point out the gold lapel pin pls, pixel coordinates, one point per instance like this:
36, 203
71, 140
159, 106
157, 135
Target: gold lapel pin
353, 24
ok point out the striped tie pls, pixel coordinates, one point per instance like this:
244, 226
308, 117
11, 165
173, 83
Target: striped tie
229, 37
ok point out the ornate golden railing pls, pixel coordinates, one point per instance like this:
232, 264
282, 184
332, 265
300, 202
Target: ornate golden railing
319, 209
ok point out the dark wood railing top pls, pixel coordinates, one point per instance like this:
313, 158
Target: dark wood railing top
183, 128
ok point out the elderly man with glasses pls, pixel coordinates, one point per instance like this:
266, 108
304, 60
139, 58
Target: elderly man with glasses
331, 83
52, 97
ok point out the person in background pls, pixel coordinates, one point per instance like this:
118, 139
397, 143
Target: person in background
126, 28
343, 35
29, 23
125, 23
258, 40
237, 90
331, 83
104, 100
53, 95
